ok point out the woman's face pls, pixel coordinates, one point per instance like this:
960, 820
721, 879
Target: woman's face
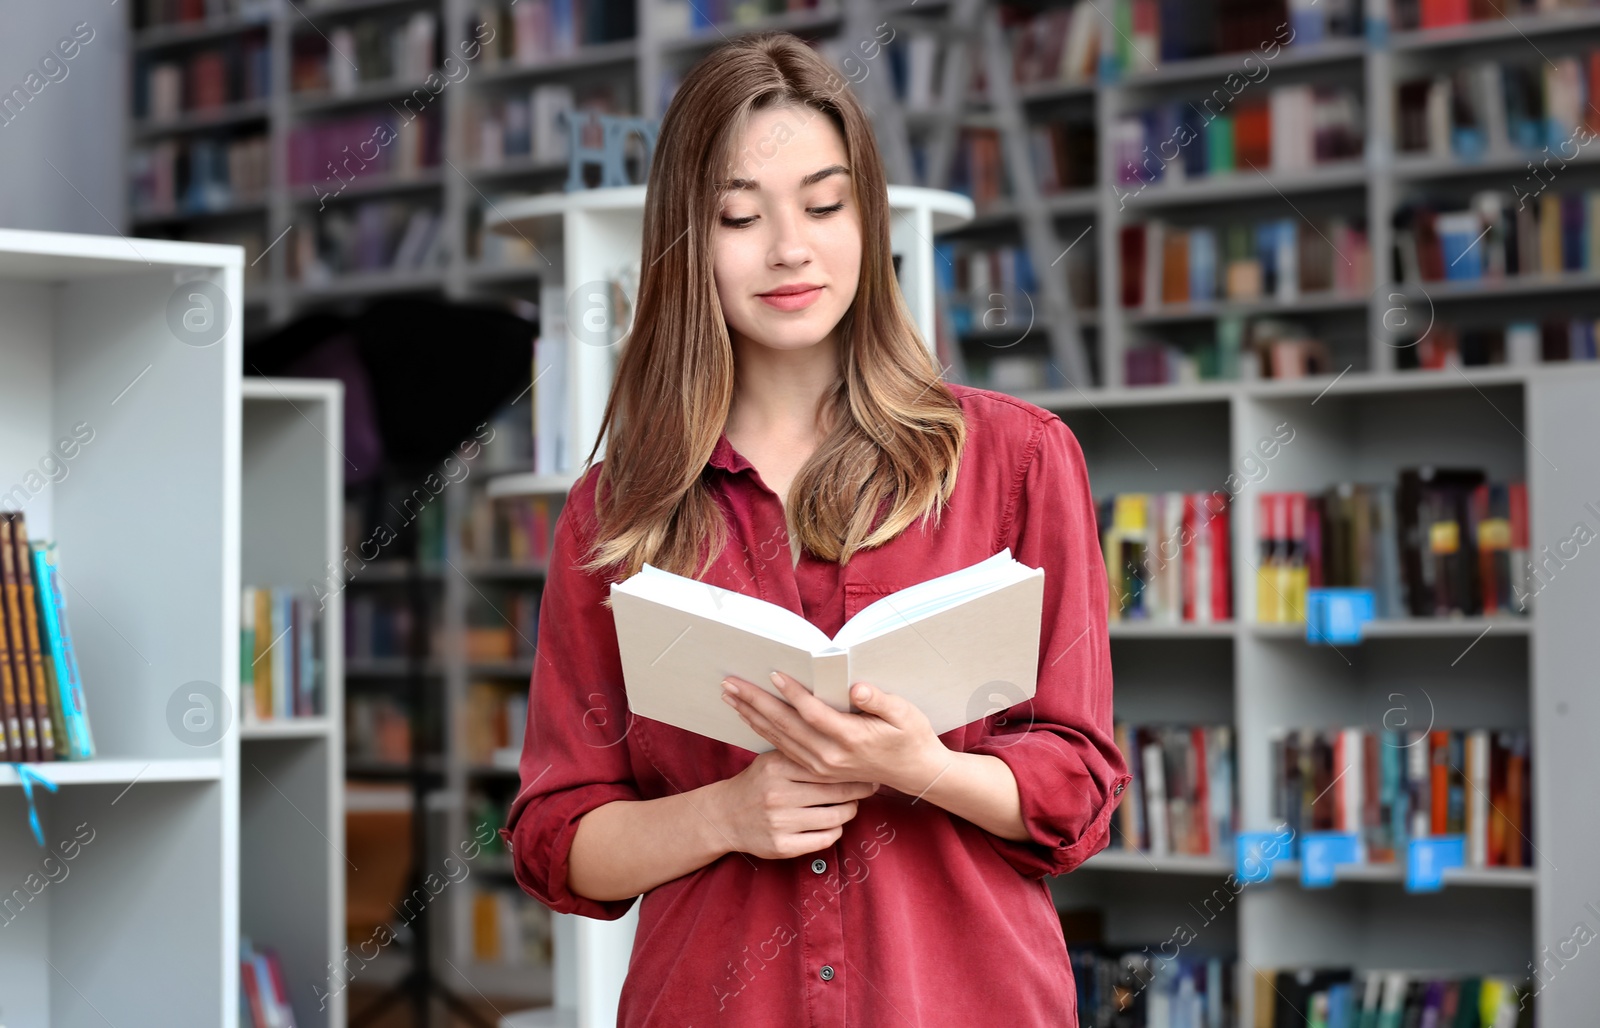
787, 218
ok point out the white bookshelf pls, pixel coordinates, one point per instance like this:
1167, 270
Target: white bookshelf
292, 862
143, 927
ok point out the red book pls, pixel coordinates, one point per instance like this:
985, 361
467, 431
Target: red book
1220, 527
1439, 782
1591, 116
1132, 241
1252, 136
1441, 13
1190, 529
252, 992
1516, 800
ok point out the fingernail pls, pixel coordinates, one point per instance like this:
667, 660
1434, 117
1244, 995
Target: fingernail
729, 700
728, 688
777, 679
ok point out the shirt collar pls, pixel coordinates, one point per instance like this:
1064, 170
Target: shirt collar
724, 456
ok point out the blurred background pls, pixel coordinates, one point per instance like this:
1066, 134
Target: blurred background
1313, 283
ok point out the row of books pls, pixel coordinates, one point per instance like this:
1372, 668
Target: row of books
280, 654
197, 175
1247, 349
503, 629
1182, 798
247, 234
1344, 998
1142, 988
330, 154
236, 72
1493, 107
418, 528
709, 14
534, 31
1445, 542
1497, 237
1519, 343
1282, 259
263, 988
493, 724
41, 690
377, 729
151, 13
1151, 32
1062, 154
374, 235
1292, 128
517, 530
1167, 557
506, 927
1438, 14
1388, 787
1060, 45
401, 49
993, 288
378, 626
524, 125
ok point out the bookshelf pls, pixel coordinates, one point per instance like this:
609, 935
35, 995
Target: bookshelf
291, 770
147, 522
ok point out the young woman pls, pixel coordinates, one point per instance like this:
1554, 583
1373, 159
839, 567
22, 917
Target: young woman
778, 428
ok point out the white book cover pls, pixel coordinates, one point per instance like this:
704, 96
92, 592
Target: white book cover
960, 647
1155, 799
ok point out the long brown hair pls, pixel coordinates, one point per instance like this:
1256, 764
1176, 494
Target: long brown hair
896, 432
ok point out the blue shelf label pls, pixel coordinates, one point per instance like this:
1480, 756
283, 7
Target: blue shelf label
1322, 852
1336, 615
1426, 860
1256, 852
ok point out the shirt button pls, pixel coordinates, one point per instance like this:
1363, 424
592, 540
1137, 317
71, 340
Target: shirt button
818, 866
1118, 789
826, 972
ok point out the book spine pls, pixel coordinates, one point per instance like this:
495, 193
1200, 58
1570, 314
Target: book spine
43, 699
23, 699
53, 604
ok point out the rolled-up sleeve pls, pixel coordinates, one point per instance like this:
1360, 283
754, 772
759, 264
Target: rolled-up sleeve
1059, 746
575, 753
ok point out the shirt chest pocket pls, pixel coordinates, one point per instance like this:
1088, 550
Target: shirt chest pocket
858, 595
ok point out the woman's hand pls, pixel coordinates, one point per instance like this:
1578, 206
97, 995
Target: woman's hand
890, 741
776, 809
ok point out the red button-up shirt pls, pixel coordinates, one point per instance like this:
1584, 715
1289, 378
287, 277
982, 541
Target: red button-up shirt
915, 917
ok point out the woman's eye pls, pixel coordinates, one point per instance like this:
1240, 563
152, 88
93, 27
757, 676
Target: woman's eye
745, 222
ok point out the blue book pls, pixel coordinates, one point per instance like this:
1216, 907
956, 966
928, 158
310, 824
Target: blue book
1459, 234
1202, 265
79, 742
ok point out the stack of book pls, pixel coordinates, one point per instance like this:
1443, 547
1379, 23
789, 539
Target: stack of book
1290, 128
377, 729
1499, 236
1343, 998
1445, 542
504, 629
495, 717
1389, 787
1152, 32
534, 31
152, 13
1058, 46
198, 175
400, 50
526, 125
280, 646
377, 627
263, 989
374, 235
1277, 259
1490, 107
517, 530
1439, 14
1181, 800
1167, 557
508, 927
1520, 343
333, 153
1143, 988
41, 692
236, 72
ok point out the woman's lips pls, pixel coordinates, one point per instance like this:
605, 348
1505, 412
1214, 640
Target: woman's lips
793, 301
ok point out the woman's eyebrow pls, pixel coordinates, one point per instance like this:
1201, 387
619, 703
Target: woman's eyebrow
810, 180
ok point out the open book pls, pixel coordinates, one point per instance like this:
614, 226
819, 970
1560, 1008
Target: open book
960, 647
